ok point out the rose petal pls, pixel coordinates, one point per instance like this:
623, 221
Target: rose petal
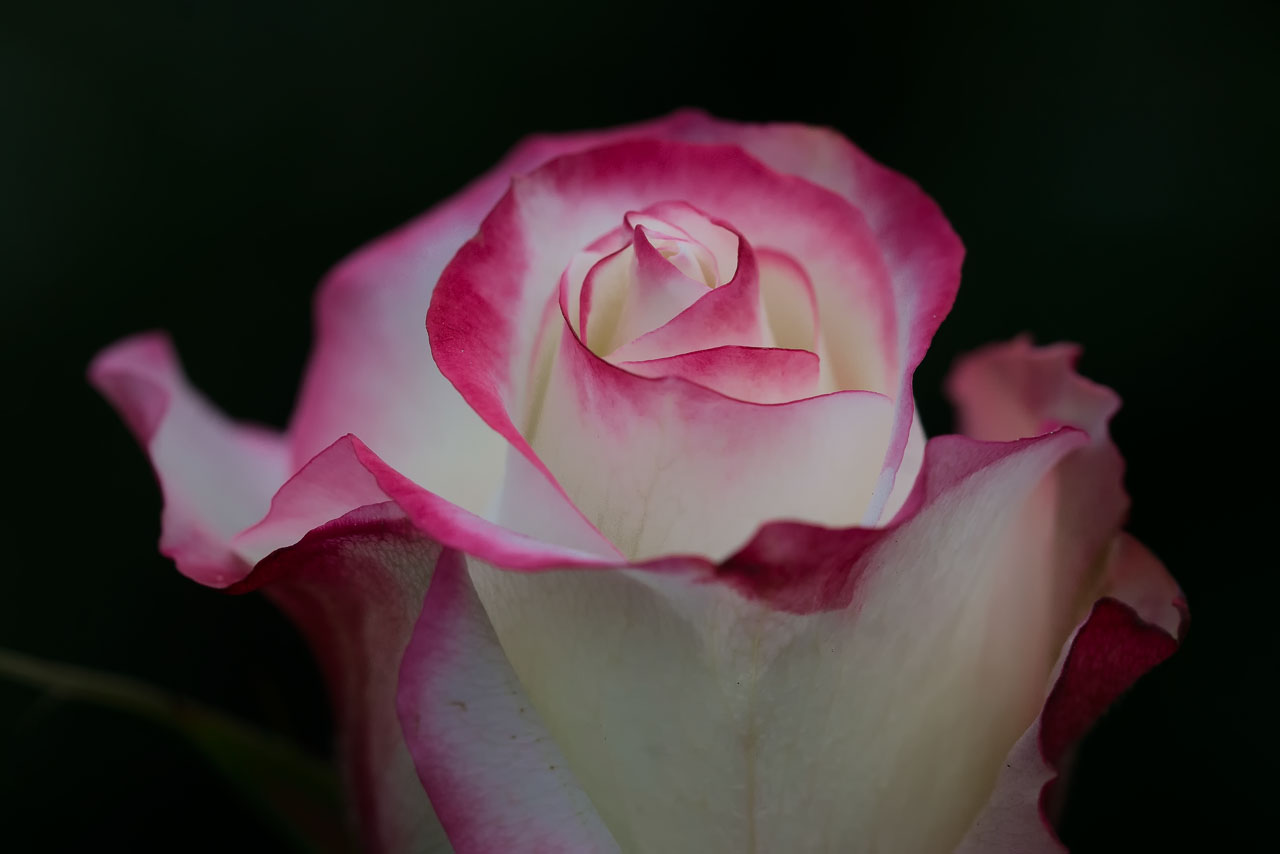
348, 475
354, 587
643, 285
908, 470
217, 476
632, 292
729, 315
1006, 391
720, 244
1112, 649
754, 374
790, 302
371, 371
1127, 633
1011, 390
497, 779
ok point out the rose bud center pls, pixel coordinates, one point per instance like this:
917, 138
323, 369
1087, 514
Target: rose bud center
674, 288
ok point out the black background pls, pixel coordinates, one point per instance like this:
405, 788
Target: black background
198, 166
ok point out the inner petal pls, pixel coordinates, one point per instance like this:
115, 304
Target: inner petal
673, 256
672, 280
731, 315
683, 220
649, 297
755, 374
690, 259
791, 310
639, 288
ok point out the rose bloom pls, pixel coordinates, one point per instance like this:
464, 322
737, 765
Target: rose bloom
637, 544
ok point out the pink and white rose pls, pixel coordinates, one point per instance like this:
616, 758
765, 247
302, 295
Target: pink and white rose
639, 545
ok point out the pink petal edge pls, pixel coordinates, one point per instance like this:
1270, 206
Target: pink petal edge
217, 476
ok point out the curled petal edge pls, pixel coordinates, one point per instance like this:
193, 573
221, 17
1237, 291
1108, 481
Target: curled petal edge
216, 476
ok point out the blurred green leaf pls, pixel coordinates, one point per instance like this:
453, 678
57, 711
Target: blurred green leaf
299, 793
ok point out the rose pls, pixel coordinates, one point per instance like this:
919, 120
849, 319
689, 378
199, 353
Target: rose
693, 578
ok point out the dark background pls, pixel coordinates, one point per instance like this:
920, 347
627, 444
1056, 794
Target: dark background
198, 166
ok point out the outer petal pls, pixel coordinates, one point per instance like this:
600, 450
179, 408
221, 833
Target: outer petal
1009, 390
497, 779
217, 476
354, 587
371, 372
1129, 631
